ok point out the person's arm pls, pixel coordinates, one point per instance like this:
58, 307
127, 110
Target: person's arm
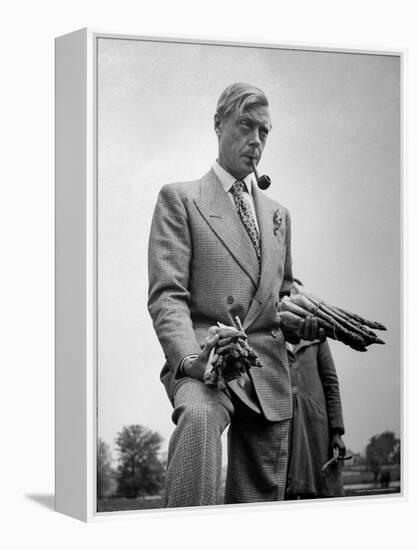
329, 378
195, 365
169, 256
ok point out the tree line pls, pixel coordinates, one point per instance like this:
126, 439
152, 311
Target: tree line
383, 450
139, 471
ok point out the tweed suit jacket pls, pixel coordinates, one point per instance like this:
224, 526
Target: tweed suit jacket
203, 269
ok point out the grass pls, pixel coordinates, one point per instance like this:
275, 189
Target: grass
352, 475
370, 491
111, 504
359, 474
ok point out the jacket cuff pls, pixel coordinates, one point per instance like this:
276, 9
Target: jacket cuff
179, 371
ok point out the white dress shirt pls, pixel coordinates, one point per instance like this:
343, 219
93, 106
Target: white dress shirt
227, 181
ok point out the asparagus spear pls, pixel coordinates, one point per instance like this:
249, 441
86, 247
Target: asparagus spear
234, 356
371, 324
333, 316
291, 313
353, 316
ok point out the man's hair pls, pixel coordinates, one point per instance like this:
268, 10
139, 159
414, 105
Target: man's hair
240, 97
298, 281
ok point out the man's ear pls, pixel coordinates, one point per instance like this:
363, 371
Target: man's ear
217, 124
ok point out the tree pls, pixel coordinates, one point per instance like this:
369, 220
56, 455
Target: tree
382, 449
140, 471
105, 473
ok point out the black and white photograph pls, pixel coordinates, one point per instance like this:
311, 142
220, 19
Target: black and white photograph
209, 275
249, 259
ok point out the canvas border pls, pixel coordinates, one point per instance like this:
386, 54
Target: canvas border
83, 499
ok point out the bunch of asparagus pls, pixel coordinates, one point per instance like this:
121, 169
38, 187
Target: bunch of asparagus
338, 324
231, 357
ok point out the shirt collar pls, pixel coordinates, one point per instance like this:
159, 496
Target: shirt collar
227, 181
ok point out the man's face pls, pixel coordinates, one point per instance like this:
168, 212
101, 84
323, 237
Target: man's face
242, 138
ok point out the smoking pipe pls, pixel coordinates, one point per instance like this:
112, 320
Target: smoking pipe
263, 182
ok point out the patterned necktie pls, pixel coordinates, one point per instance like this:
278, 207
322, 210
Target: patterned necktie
246, 215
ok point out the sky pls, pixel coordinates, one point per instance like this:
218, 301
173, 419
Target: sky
334, 160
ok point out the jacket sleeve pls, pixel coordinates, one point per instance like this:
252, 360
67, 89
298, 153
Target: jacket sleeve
169, 256
328, 374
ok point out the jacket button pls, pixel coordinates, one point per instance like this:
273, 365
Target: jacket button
230, 299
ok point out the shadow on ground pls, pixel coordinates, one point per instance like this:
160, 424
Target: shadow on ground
47, 501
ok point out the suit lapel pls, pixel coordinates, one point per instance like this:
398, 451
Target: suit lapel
221, 215
270, 254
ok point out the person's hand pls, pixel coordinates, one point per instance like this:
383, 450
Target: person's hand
295, 330
196, 367
309, 330
337, 442
230, 346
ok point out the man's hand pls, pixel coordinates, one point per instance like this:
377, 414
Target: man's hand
337, 442
300, 329
196, 367
309, 330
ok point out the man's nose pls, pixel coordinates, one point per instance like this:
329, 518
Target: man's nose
255, 138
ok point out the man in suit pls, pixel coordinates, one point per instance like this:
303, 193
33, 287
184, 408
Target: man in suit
220, 248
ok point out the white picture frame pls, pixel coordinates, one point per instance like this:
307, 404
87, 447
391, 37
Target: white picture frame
77, 260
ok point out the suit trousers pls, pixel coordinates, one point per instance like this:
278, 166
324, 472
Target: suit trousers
257, 450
